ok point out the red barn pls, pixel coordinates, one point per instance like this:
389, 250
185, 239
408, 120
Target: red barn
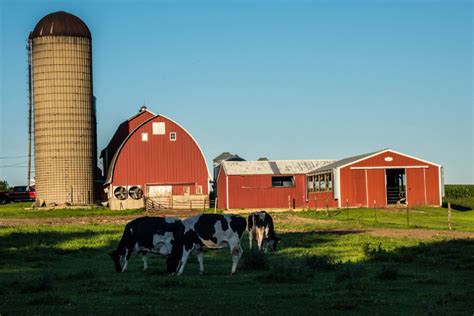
153, 158
264, 184
382, 179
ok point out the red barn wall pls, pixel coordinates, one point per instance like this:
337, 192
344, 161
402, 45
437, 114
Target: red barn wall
256, 191
221, 189
160, 161
353, 181
318, 200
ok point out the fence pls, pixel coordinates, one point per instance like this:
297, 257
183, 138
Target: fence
161, 203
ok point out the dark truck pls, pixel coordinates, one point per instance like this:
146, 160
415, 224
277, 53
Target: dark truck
18, 194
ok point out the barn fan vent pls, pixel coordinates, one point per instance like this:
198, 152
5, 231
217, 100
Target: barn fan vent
135, 192
121, 193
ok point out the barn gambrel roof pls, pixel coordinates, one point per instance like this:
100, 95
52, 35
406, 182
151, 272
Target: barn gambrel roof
272, 167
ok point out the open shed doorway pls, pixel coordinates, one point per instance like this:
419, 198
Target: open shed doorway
396, 187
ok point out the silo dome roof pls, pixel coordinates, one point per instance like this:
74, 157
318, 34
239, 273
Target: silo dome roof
61, 24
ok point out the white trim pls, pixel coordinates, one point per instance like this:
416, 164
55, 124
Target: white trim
406, 187
366, 189
390, 167
424, 185
441, 183
339, 203
226, 192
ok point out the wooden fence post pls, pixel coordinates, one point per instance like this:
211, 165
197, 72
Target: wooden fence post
408, 216
215, 205
449, 216
327, 208
375, 210
289, 202
347, 208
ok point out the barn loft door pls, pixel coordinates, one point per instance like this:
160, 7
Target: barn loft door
396, 186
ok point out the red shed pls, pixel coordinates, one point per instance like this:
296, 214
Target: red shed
382, 179
154, 159
264, 184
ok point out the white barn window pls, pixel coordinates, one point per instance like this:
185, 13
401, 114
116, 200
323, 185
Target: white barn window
172, 136
144, 137
159, 128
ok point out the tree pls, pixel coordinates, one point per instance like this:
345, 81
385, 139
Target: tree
4, 185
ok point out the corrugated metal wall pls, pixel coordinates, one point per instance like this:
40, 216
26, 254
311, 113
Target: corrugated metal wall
64, 120
256, 191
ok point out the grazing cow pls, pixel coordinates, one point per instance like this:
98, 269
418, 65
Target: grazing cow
260, 227
148, 234
211, 231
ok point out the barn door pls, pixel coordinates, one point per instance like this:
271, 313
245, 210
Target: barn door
159, 190
396, 186
416, 194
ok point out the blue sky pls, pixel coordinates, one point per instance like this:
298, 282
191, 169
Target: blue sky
281, 79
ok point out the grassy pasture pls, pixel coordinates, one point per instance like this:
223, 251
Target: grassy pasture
325, 265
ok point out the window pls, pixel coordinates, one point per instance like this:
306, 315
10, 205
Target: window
283, 181
199, 189
320, 182
159, 128
144, 137
172, 136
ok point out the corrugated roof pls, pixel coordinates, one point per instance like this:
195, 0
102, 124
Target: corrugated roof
272, 167
345, 161
61, 24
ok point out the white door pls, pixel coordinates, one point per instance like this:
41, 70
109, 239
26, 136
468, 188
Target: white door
159, 190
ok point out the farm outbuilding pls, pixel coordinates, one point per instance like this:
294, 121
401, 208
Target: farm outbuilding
153, 160
264, 184
380, 179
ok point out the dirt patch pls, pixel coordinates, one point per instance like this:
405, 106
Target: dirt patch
418, 233
293, 219
92, 219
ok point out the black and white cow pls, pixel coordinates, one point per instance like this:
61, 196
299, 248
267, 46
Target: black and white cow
261, 230
149, 234
211, 231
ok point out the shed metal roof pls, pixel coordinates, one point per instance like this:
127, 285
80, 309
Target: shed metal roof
272, 167
343, 162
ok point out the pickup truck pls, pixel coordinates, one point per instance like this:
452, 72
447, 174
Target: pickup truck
18, 194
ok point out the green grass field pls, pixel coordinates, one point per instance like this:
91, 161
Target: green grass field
325, 265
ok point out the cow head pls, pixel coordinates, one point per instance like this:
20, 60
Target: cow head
174, 258
272, 242
116, 258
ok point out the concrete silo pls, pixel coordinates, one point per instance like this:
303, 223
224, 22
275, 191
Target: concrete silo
60, 48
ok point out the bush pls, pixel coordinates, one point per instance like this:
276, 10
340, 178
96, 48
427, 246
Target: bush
319, 263
254, 260
377, 253
387, 273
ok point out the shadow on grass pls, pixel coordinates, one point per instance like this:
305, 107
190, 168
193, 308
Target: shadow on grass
457, 206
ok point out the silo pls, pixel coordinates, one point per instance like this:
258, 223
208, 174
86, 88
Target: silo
64, 110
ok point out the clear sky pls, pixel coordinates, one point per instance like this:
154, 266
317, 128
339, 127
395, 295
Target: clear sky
281, 79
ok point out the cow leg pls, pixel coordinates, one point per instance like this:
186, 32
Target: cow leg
250, 239
200, 257
184, 259
259, 240
126, 257
236, 252
145, 261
